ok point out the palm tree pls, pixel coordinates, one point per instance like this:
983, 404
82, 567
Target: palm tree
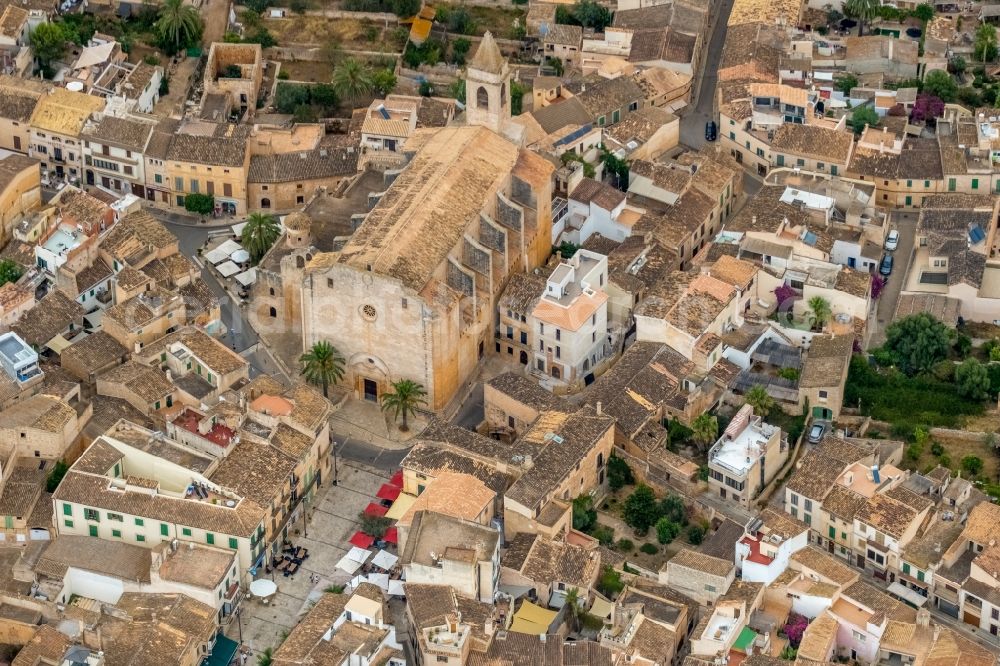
322, 365
259, 234
758, 398
406, 395
178, 23
864, 11
706, 429
821, 312
574, 613
352, 80
265, 658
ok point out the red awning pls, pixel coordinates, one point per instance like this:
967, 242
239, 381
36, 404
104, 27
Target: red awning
391, 535
397, 479
374, 509
388, 492
362, 540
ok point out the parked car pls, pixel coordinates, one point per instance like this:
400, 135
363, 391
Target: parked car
886, 266
892, 240
816, 433
711, 131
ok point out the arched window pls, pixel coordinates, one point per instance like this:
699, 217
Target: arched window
273, 312
265, 203
272, 291
482, 98
555, 371
503, 95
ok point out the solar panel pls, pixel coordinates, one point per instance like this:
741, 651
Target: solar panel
383, 112
809, 238
573, 136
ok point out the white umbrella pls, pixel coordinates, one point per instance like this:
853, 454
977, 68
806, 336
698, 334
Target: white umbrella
396, 588
348, 565
228, 268
358, 554
382, 580
263, 588
384, 560
240, 256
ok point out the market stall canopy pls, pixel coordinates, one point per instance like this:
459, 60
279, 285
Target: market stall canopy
384, 560
374, 509
388, 492
362, 540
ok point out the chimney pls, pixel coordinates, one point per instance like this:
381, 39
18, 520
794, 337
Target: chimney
600, 411
488, 626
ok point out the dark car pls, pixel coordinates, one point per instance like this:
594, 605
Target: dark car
711, 131
885, 268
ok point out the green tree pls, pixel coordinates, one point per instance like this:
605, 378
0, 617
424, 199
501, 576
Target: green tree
265, 658
985, 43
821, 312
863, 116
590, 14
666, 530
917, 342
619, 473
584, 514
322, 365
516, 98
672, 507
610, 583
696, 534
640, 510
574, 611
940, 84
259, 234
373, 525
973, 465
352, 80
457, 90
957, 65
10, 271
179, 25
55, 476
761, 401
49, 43
298, 6
459, 50
706, 429
383, 81
846, 83
203, 204
972, 379
924, 12
405, 8
323, 95
863, 11
406, 396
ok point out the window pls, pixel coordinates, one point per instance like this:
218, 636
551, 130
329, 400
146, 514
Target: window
808, 505
186, 531
823, 395
92, 530
833, 169
233, 543
709, 588
117, 517
558, 334
164, 529
601, 121
858, 636
951, 184
615, 116
906, 568
179, 183
209, 538
833, 532
975, 183
794, 499
634, 106
91, 514
558, 351
227, 189
116, 534
67, 509
140, 538
139, 522
68, 523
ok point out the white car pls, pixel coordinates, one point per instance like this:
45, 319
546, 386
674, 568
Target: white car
892, 240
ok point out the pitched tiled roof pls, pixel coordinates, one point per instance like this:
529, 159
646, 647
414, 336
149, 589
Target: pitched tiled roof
813, 141
50, 317
305, 165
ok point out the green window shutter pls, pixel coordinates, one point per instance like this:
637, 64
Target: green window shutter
68, 523
833, 170
975, 183
909, 200
233, 543
163, 357
93, 530
833, 532
781, 160
67, 509
951, 184
920, 576
140, 538
927, 183
140, 522
209, 538
186, 531
906, 568
807, 519
157, 405
116, 533
164, 529
8, 522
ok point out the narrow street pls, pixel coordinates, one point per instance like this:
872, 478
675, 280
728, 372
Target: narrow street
697, 115
906, 223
